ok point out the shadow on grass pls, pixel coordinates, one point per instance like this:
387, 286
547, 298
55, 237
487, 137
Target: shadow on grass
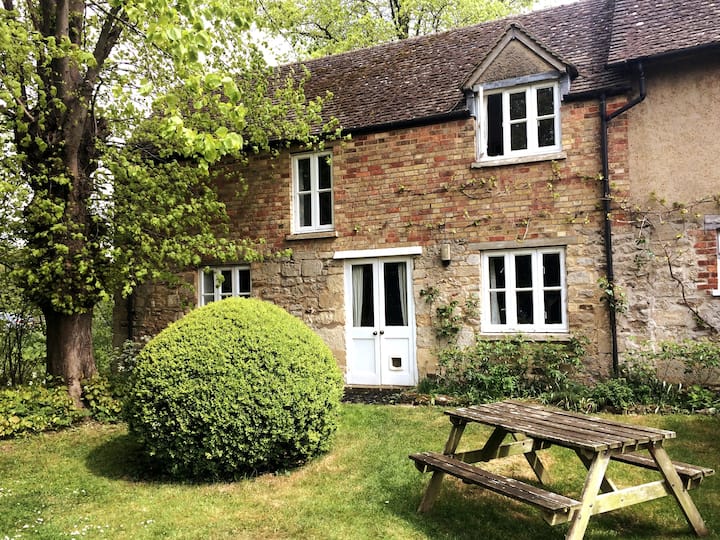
121, 458
466, 512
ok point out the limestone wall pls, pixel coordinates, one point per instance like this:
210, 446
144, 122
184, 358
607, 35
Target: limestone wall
417, 187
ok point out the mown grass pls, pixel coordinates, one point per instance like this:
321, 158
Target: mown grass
88, 482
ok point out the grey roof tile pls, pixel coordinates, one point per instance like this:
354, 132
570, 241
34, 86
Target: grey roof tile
648, 28
422, 77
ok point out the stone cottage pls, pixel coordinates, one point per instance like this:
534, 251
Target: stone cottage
495, 181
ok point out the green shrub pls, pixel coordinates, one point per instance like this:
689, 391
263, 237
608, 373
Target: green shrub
511, 367
103, 400
36, 408
234, 388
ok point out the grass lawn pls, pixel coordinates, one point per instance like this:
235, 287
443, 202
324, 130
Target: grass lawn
85, 482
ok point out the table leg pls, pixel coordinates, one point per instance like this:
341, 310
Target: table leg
595, 477
607, 485
675, 484
534, 461
433, 487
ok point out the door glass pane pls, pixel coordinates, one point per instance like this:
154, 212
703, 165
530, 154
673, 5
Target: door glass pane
545, 102
551, 269
553, 311
325, 208
523, 271
524, 307
494, 125
517, 106
304, 174
497, 308
395, 280
363, 305
546, 132
305, 210
518, 136
325, 178
497, 272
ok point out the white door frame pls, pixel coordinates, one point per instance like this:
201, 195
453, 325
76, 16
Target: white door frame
380, 355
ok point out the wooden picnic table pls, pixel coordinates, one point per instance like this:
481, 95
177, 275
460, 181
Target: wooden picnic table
523, 428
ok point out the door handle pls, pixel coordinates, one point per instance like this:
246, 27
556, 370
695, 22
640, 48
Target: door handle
382, 332
375, 333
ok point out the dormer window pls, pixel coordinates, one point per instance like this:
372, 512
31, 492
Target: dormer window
514, 95
519, 121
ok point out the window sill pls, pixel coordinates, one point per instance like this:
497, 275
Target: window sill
311, 235
715, 292
503, 161
539, 336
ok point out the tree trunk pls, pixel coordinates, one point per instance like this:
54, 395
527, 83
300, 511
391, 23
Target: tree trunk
70, 350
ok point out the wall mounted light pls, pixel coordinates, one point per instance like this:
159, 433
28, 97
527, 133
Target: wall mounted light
445, 254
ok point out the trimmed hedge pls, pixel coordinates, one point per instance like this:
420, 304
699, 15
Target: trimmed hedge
234, 388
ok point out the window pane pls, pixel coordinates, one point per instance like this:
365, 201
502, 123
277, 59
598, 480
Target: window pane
226, 285
395, 294
325, 177
363, 306
325, 208
551, 269
208, 286
304, 174
546, 132
494, 125
523, 271
207, 298
518, 136
244, 281
545, 102
517, 106
497, 272
524, 307
497, 308
305, 210
553, 307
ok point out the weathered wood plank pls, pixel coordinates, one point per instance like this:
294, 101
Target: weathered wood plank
510, 487
629, 496
686, 471
561, 427
681, 495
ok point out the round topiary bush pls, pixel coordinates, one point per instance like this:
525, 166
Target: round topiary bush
234, 388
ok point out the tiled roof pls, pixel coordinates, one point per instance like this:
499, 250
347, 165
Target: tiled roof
422, 77
648, 28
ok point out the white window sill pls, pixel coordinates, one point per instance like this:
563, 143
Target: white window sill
311, 235
518, 160
534, 336
715, 292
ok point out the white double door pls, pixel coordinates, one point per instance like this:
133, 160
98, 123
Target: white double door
380, 322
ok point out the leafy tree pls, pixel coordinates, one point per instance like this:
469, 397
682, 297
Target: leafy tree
111, 114
317, 28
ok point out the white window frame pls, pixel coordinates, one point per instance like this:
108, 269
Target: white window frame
511, 325
217, 292
314, 193
532, 119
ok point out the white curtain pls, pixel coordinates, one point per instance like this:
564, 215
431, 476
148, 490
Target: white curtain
357, 288
402, 285
494, 296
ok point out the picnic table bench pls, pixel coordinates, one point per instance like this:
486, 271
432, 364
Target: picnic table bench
522, 428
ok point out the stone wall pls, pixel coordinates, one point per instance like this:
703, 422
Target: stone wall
665, 261
417, 187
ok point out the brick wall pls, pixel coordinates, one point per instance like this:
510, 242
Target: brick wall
416, 187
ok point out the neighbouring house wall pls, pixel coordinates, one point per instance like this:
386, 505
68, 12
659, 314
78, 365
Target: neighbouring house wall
665, 260
416, 187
